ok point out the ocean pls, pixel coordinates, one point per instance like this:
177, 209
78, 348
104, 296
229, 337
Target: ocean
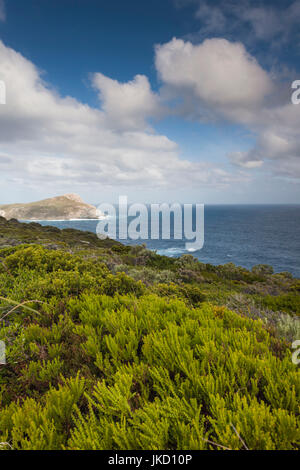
245, 235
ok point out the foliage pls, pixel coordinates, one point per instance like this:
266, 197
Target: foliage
120, 348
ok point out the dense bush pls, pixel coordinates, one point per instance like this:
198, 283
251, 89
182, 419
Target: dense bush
156, 375
286, 303
262, 269
124, 349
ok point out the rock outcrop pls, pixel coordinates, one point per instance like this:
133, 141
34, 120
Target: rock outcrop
66, 207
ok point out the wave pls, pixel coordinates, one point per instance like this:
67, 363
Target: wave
171, 251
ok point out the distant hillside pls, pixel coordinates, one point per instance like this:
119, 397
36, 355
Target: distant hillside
66, 207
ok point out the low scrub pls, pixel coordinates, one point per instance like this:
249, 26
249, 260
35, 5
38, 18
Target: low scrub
118, 348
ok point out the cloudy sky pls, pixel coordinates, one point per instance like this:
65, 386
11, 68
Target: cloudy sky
185, 100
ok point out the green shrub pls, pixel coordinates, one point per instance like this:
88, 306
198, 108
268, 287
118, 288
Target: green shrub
103, 359
289, 303
262, 270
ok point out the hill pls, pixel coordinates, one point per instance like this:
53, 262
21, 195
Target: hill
115, 347
66, 207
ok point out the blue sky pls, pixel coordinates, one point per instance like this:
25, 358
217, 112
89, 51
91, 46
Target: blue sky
160, 100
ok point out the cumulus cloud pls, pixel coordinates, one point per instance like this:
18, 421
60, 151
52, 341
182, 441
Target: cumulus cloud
278, 138
58, 142
219, 73
127, 105
219, 80
55, 141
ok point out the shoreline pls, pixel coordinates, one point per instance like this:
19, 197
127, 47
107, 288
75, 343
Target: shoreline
58, 220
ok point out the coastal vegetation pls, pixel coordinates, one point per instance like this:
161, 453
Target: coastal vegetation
115, 347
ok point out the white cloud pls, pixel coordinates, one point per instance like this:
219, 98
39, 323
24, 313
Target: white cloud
278, 137
54, 142
127, 105
245, 160
219, 80
219, 73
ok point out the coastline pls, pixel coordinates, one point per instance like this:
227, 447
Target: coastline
58, 220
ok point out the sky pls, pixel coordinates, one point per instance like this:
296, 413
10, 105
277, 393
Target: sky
162, 101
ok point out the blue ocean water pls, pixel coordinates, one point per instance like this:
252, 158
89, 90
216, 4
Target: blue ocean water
242, 234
